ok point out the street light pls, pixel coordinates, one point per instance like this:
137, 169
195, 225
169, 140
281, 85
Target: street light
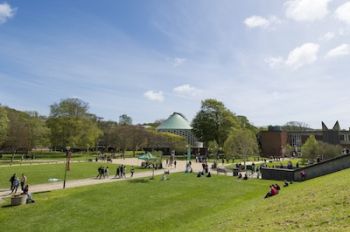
66, 167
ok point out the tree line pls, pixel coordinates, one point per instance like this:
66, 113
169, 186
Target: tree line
70, 124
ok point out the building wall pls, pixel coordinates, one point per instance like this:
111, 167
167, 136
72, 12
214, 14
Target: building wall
272, 142
312, 171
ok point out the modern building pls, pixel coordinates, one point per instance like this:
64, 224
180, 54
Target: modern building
179, 125
274, 141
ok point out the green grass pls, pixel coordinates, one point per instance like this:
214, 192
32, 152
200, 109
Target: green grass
187, 203
38, 174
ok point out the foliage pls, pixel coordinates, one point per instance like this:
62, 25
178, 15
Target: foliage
328, 151
72, 125
3, 124
310, 148
213, 122
296, 126
125, 120
240, 144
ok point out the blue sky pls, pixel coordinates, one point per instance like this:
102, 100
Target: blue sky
271, 60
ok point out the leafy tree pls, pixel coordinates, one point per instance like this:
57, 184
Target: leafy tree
296, 126
328, 151
3, 124
241, 143
125, 120
213, 122
310, 149
18, 131
72, 125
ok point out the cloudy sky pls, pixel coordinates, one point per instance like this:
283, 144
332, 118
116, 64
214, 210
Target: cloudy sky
271, 60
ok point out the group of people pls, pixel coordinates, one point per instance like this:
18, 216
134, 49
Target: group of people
121, 171
15, 182
205, 170
169, 163
103, 172
274, 190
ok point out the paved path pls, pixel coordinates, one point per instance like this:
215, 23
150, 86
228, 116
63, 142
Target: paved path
180, 167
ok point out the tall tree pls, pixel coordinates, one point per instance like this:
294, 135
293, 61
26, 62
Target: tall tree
310, 149
213, 122
296, 126
3, 124
72, 125
124, 119
241, 143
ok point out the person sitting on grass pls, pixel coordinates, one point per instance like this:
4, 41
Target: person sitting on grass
208, 175
286, 184
199, 174
239, 176
29, 195
273, 191
245, 176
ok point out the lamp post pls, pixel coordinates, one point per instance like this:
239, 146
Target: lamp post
66, 167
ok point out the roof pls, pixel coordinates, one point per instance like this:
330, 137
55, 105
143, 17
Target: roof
175, 121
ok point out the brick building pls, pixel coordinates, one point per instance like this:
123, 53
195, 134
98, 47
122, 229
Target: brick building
274, 140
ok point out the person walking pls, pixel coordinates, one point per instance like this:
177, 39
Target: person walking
175, 163
132, 170
23, 181
12, 181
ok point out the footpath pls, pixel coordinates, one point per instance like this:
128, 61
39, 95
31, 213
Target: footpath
180, 167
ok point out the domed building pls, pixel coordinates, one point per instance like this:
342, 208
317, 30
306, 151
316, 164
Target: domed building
179, 125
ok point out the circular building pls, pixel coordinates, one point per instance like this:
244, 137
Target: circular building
179, 125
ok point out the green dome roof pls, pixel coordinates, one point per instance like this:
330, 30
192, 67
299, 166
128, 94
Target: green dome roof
175, 121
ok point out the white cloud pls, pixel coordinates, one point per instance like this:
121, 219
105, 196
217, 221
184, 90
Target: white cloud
186, 90
302, 55
154, 95
258, 21
327, 36
177, 61
274, 62
306, 10
341, 50
343, 12
6, 12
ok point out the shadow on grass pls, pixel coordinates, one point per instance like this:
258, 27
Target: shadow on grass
139, 181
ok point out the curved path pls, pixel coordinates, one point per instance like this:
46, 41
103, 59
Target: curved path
180, 167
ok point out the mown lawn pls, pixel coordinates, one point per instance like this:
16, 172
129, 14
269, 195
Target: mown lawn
40, 173
187, 203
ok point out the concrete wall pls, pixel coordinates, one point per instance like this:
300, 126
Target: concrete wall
312, 171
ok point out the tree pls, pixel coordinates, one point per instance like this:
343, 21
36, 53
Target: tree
3, 124
125, 120
310, 148
328, 151
213, 122
296, 126
241, 143
72, 125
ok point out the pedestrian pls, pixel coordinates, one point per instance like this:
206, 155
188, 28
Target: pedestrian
175, 163
15, 185
132, 170
12, 181
117, 172
23, 181
124, 171
107, 171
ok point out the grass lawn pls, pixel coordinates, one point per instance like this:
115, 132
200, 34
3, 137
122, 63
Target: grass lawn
42, 172
187, 203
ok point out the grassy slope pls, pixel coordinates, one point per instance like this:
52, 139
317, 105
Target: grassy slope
41, 173
187, 203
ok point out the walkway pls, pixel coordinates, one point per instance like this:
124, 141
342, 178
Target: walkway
180, 167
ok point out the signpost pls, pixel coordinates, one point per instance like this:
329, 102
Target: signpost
67, 166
